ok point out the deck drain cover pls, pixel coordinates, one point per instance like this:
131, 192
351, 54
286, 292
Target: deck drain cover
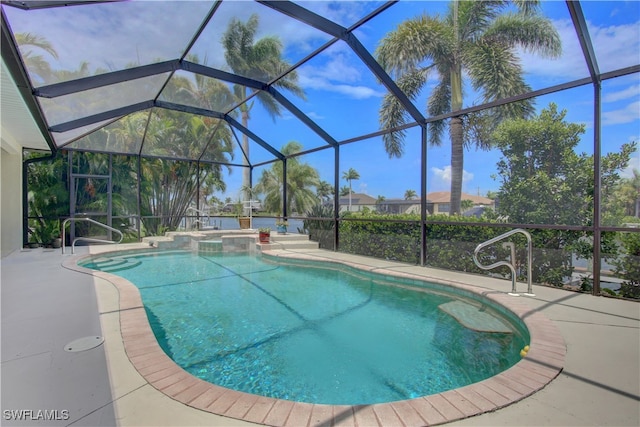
85, 343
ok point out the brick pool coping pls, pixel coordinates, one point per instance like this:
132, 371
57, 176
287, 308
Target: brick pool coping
544, 361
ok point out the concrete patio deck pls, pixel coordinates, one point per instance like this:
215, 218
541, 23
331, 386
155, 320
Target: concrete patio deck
45, 306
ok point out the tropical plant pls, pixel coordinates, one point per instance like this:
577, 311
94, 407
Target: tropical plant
474, 39
169, 187
301, 180
544, 181
349, 176
320, 230
324, 191
261, 60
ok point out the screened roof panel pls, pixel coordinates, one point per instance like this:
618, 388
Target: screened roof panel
98, 38
486, 67
62, 138
176, 135
122, 136
256, 153
339, 91
201, 92
221, 144
98, 61
70, 107
345, 13
276, 130
266, 33
616, 45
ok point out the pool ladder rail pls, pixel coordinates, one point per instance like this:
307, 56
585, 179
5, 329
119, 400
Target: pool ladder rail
89, 239
511, 264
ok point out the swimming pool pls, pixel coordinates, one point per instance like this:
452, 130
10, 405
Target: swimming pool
334, 336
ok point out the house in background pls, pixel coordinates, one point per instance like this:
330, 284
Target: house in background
439, 202
399, 206
359, 201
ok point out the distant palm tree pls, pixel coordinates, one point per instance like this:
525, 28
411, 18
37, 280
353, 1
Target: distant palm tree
301, 179
350, 175
261, 60
472, 39
410, 195
324, 191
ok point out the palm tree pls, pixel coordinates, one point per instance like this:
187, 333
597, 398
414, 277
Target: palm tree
324, 191
410, 195
36, 64
261, 60
473, 39
301, 179
350, 175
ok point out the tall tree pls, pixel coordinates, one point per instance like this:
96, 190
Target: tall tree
261, 60
474, 39
302, 178
544, 181
350, 175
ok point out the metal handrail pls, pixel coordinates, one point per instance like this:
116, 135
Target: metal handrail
88, 239
199, 212
511, 264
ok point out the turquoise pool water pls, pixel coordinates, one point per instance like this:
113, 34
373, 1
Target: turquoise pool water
311, 334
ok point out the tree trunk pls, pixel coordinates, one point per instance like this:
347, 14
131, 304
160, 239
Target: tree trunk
246, 172
457, 164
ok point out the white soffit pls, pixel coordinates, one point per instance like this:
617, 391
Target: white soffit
18, 129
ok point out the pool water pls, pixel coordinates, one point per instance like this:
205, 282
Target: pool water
310, 334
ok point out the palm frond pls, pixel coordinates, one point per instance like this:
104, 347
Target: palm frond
392, 113
414, 42
534, 34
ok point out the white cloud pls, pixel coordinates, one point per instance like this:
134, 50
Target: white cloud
630, 92
314, 116
628, 114
337, 74
616, 46
442, 178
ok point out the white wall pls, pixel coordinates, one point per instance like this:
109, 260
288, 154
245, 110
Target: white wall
10, 199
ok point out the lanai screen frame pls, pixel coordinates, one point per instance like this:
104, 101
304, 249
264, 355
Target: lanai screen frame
338, 33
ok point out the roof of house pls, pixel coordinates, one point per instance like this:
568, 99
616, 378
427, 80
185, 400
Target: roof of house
401, 201
445, 197
358, 199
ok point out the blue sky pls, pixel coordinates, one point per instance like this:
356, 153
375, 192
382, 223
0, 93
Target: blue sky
341, 94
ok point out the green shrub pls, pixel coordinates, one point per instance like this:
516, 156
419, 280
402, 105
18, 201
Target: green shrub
451, 246
627, 266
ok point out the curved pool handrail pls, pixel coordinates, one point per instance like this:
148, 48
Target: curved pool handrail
88, 239
199, 213
511, 264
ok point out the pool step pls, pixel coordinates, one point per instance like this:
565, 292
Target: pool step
111, 265
291, 241
209, 246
